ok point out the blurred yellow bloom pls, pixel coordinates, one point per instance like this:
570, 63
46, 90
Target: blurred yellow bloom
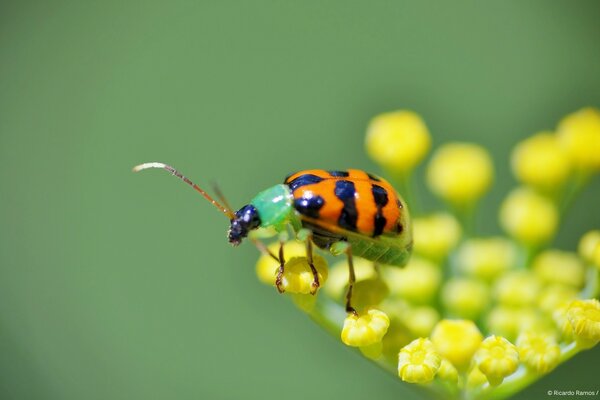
497, 358
418, 282
475, 378
435, 235
540, 161
554, 296
266, 266
528, 217
588, 245
418, 362
517, 288
486, 258
584, 317
511, 321
465, 297
457, 341
366, 329
448, 372
421, 320
564, 325
398, 140
555, 266
368, 293
298, 276
538, 351
460, 173
579, 133
338, 276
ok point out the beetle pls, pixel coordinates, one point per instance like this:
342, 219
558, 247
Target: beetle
351, 212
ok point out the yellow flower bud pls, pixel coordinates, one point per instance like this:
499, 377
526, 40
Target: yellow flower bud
540, 161
579, 133
457, 341
368, 293
588, 245
563, 324
421, 320
366, 329
418, 362
298, 276
476, 378
497, 358
460, 173
486, 258
517, 288
538, 351
528, 217
435, 235
266, 266
447, 372
555, 296
510, 322
338, 276
418, 282
465, 298
398, 140
584, 317
554, 266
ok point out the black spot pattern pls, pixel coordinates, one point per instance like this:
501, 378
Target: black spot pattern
373, 177
381, 199
345, 191
304, 180
309, 206
339, 174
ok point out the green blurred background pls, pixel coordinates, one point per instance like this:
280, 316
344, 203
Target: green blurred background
122, 286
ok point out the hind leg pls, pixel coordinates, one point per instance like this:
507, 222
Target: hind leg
351, 281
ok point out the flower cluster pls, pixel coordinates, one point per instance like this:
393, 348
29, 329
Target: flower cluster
469, 315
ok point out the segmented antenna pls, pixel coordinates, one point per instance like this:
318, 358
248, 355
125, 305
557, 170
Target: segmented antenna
224, 209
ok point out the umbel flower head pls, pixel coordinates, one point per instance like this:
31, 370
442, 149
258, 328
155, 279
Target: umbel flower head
469, 316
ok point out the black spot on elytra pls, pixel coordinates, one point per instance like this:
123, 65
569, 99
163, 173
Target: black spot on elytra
339, 174
380, 196
373, 177
309, 206
304, 180
345, 191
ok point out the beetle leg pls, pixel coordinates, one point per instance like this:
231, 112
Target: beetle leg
279, 278
351, 281
263, 249
309, 255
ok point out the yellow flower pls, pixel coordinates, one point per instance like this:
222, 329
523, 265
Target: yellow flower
563, 324
460, 173
418, 282
497, 358
338, 276
368, 293
266, 266
486, 258
554, 266
584, 317
298, 276
418, 362
398, 140
421, 320
476, 378
366, 329
447, 371
435, 235
588, 245
579, 133
457, 341
540, 161
517, 288
528, 217
510, 322
554, 296
465, 298
538, 351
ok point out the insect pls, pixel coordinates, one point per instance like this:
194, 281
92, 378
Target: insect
349, 212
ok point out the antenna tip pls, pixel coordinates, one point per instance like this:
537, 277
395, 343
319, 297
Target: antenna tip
148, 165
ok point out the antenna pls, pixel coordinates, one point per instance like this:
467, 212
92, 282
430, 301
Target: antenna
224, 209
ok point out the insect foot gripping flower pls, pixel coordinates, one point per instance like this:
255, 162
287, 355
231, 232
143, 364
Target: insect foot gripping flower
457, 341
538, 351
266, 266
529, 217
584, 317
398, 141
540, 161
460, 173
418, 362
497, 358
366, 329
579, 133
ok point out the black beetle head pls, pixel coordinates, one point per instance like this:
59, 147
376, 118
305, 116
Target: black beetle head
246, 219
